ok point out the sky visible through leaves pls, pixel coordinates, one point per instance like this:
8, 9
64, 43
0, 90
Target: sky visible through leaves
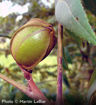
7, 7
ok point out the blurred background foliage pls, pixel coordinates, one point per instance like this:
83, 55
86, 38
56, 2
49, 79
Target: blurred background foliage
79, 60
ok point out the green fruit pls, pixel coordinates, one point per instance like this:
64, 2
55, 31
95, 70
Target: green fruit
32, 43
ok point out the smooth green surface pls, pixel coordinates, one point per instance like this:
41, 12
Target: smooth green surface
22, 35
71, 14
28, 50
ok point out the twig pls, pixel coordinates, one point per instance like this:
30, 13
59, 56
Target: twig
21, 87
34, 93
38, 95
60, 68
12, 82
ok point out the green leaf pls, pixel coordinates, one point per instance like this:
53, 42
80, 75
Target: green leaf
71, 14
93, 78
91, 90
65, 80
76, 38
64, 64
68, 57
64, 61
92, 84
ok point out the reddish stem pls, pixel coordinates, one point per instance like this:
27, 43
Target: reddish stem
32, 90
38, 95
60, 68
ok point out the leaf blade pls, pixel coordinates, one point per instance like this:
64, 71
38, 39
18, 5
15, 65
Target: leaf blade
66, 13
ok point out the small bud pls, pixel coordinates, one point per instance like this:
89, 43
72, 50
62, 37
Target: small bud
32, 42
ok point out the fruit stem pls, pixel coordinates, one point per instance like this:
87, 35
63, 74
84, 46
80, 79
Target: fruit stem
38, 95
32, 90
59, 63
